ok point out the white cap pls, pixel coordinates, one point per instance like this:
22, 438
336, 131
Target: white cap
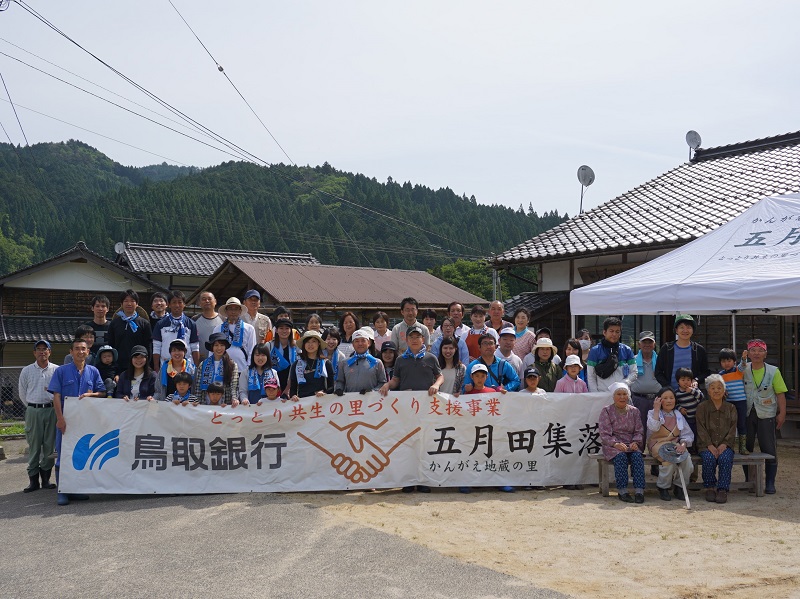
572, 360
360, 334
508, 331
479, 368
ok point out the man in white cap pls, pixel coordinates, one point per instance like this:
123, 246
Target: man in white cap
242, 336
362, 372
40, 417
505, 347
260, 322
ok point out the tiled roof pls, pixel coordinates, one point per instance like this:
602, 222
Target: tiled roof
350, 285
194, 261
80, 250
535, 301
684, 203
29, 329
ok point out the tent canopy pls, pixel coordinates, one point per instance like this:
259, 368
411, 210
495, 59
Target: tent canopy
750, 265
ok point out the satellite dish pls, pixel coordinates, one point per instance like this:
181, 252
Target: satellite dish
585, 175
693, 139
119, 247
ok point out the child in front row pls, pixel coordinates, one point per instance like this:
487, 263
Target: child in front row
687, 398
570, 382
532, 382
183, 395
479, 374
734, 387
214, 394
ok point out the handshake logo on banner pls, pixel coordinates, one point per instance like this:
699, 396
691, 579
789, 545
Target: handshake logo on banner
105, 448
368, 459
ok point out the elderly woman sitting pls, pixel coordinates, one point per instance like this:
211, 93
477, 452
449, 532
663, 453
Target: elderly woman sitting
716, 432
622, 436
665, 424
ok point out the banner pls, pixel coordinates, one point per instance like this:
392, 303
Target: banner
331, 443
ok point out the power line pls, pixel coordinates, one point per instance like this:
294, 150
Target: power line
96, 133
221, 70
142, 106
120, 106
19, 122
219, 138
151, 95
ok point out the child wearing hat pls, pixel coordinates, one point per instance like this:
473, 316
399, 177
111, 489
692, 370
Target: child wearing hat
177, 363
479, 374
571, 382
107, 365
532, 382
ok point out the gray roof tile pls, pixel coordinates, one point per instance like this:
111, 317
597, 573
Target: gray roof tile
682, 204
29, 329
194, 261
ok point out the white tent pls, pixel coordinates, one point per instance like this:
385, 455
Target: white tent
750, 265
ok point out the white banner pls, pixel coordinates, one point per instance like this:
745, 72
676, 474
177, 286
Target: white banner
331, 443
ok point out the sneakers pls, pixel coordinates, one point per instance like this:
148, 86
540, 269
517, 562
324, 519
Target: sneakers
722, 496
678, 492
465, 490
664, 494
711, 496
638, 498
63, 499
507, 489
625, 497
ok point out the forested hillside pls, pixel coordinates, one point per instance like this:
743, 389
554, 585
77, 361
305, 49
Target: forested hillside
52, 195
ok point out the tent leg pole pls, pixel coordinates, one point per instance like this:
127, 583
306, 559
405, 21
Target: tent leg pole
733, 330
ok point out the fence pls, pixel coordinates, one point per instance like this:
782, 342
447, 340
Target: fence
11, 406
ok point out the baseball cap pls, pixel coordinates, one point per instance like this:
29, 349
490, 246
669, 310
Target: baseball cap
479, 368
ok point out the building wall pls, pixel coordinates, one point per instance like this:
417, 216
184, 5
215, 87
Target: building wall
76, 276
555, 275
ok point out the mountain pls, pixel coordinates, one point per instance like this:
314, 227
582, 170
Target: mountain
54, 194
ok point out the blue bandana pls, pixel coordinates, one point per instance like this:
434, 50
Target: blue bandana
319, 370
257, 382
131, 320
236, 337
176, 324
278, 360
408, 354
371, 360
210, 374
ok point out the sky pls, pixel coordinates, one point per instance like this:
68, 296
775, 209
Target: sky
502, 100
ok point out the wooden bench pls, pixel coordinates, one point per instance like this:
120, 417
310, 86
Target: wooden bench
754, 462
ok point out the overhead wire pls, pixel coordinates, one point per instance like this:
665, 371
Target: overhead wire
86, 91
44, 20
246, 155
316, 189
90, 82
98, 134
219, 138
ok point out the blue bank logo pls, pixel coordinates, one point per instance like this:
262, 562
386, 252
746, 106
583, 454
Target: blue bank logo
105, 448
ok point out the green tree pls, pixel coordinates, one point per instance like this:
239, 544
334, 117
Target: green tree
474, 276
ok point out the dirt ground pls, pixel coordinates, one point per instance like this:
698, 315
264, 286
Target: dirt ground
586, 545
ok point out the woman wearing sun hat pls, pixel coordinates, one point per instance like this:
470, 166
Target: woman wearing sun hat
541, 357
310, 374
218, 367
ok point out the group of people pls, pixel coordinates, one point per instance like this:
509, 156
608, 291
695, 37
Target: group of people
658, 404
239, 355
